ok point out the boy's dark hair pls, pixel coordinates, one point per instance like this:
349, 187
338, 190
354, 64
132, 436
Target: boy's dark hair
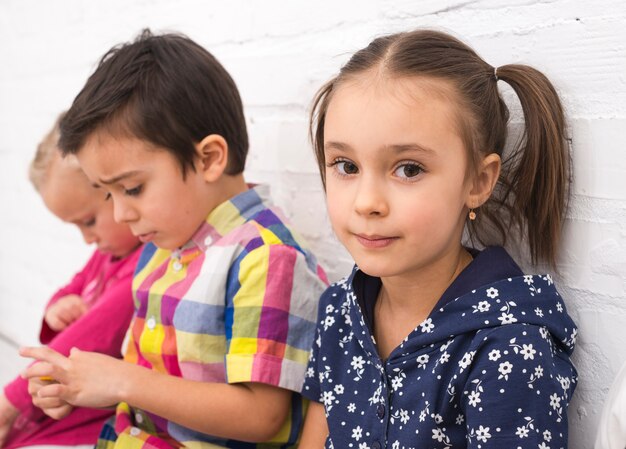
164, 89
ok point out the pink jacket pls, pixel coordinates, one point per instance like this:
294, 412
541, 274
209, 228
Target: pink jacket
105, 284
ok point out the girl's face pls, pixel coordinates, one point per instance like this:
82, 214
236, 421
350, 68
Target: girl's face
69, 195
396, 167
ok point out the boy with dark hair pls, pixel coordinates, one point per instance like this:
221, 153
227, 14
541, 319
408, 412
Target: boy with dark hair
225, 291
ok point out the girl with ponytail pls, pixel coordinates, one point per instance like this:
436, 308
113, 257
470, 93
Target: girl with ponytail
430, 343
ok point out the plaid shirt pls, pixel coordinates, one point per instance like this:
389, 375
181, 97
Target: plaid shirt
237, 303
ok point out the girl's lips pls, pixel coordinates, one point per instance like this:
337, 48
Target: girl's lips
375, 241
145, 238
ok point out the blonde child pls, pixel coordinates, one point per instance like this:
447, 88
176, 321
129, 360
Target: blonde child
226, 292
428, 343
92, 312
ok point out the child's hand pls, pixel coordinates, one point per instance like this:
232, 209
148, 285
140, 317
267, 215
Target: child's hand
54, 407
8, 414
64, 312
86, 379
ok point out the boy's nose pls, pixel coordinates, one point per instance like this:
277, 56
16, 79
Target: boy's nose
122, 213
89, 237
370, 198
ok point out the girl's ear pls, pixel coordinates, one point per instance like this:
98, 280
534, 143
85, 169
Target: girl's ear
484, 180
212, 153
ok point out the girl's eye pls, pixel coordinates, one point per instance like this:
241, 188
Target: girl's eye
89, 223
133, 192
107, 196
345, 167
408, 170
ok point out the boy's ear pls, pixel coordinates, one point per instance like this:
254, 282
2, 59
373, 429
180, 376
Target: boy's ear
484, 180
212, 153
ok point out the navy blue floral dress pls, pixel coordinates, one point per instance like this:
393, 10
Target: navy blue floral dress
489, 368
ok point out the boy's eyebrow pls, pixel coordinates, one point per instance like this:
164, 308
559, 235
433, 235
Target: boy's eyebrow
118, 178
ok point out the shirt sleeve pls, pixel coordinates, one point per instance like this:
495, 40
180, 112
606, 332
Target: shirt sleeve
518, 390
74, 287
101, 329
271, 304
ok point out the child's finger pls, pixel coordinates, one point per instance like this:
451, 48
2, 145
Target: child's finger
43, 354
51, 391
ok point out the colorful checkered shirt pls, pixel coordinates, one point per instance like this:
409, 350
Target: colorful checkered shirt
237, 303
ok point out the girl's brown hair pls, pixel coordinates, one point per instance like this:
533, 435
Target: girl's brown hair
532, 190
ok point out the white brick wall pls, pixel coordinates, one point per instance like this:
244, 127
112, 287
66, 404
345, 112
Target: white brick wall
279, 52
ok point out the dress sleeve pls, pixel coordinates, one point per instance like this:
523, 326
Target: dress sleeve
518, 390
101, 329
271, 304
74, 287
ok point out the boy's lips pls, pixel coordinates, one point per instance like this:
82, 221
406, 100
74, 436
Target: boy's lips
375, 241
145, 238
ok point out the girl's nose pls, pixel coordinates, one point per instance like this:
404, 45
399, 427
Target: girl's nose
370, 199
88, 236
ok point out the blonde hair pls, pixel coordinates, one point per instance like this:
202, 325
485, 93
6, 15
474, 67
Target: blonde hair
46, 155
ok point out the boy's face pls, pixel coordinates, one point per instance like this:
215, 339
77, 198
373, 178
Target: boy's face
147, 188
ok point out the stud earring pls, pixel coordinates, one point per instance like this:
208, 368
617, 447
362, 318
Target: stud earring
472, 215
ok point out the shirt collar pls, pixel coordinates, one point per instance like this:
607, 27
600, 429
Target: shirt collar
488, 266
227, 216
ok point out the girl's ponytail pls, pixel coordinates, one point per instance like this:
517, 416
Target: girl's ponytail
536, 175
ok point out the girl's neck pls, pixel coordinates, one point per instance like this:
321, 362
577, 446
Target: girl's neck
405, 301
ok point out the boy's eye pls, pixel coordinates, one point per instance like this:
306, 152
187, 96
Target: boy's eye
408, 170
90, 222
107, 196
346, 167
134, 191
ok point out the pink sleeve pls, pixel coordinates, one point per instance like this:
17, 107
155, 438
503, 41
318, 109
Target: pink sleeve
101, 329
75, 287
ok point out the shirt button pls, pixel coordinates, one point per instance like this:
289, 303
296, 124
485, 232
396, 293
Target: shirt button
208, 240
177, 266
151, 323
380, 411
376, 445
134, 431
138, 418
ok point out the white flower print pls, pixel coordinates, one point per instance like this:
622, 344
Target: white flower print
555, 401
482, 306
539, 312
543, 331
543, 445
329, 309
492, 292
460, 419
565, 382
522, 432
310, 372
423, 415
505, 369
422, 360
528, 352
404, 416
395, 445
528, 279
473, 398
438, 418
364, 445
547, 435
357, 433
328, 322
507, 318
351, 407
539, 371
396, 383
559, 307
444, 357
438, 435
357, 362
466, 360
482, 434
339, 389
327, 398
494, 355
427, 325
